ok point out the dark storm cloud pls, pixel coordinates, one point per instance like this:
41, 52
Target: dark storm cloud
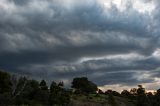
46, 38
107, 71
20, 2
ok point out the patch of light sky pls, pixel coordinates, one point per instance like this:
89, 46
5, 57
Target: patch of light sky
138, 5
150, 87
131, 56
156, 54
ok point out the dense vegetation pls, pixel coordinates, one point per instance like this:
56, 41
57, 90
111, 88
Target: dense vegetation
22, 91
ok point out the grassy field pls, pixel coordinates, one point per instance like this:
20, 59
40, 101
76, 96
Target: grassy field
99, 100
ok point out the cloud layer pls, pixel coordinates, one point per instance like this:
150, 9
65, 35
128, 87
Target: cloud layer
111, 42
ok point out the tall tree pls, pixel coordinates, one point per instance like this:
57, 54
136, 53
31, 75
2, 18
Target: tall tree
142, 99
5, 88
43, 85
43, 94
58, 95
5, 82
83, 85
156, 101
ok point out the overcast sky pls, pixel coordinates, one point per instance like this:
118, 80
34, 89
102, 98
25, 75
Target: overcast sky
115, 43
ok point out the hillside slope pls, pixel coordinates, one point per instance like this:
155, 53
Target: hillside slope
100, 100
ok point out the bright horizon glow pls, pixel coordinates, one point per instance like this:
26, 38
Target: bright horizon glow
150, 87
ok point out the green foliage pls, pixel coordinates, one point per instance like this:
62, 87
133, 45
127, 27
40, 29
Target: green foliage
5, 99
60, 84
142, 99
5, 83
23, 91
58, 95
42, 97
156, 98
111, 100
43, 85
83, 85
26, 92
20, 86
53, 86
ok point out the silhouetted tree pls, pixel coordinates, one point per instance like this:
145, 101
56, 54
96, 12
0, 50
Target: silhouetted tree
43, 93
14, 81
156, 101
133, 91
53, 87
151, 98
5, 88
23, 91
125, 93
142, 99
114, 93
61, 84
26, 92
58, 95
83, 85
43, 85
100, 91
5, 83
109, 91
22, 81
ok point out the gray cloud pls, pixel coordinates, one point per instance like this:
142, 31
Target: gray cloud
48, 38
103, 71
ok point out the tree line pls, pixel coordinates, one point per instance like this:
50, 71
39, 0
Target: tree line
22, 91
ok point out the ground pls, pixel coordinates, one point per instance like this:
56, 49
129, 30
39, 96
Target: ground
99, 100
